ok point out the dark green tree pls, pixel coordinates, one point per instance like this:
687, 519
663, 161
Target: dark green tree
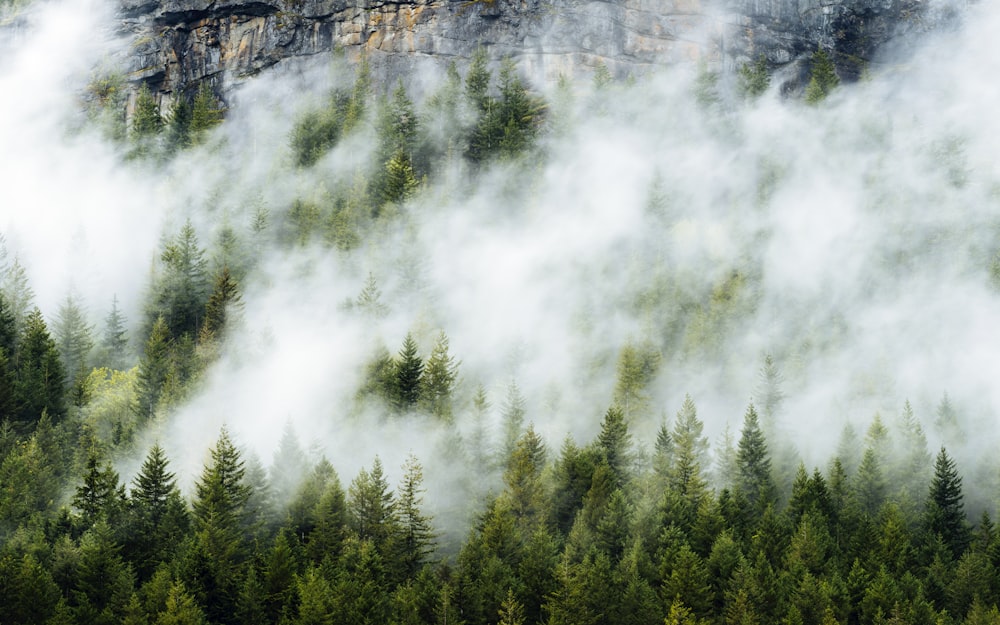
372, 508
754, 78
408, 375
154, 368
39, 374
615, 443
224, 301
159, 516
100, 497
511, 420
440, 377
823, 77
181, 291
945, 512
754, 464
146, 119
206, 113
416, 537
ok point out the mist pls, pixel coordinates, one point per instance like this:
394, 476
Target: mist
851, 241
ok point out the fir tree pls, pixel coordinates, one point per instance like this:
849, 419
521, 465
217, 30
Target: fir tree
944, 512
823, 78
754, 464
408, 375
206, 113
415, 541
222, 303
39, 374
440, 376
146, 119
73, 336
114, 340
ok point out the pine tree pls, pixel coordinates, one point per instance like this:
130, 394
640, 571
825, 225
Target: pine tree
615, 444
154, 368
944, 512
159, 515
372, 508
416, 537
823, 79
180, 293
221, 495
114, 341
206, 113
511, 420
18, 293
289, 467
408, 375
754, 464
146, 119
222, 303
440, 376
39, 374
399, 181
636, 368
100, 497
369, 301
179, 125
73, 336
754, 78
511, 611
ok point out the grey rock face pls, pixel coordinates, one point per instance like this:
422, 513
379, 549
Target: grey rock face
178, 43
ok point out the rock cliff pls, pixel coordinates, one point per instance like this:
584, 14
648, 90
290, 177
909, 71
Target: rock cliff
178, 43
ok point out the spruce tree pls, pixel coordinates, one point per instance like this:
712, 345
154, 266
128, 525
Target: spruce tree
114, 341
944, 511
73, 336
823, 78
154, 368
222, 303
754, 464
408, 375
440, 376
206, 113
415, 540
39, 374
146, 119
615, 444
372, 508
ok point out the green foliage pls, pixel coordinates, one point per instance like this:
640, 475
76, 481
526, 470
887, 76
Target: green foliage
206, 113
146, 119
823, 78
39, 379
754, 78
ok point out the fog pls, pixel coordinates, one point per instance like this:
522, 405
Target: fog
862, 232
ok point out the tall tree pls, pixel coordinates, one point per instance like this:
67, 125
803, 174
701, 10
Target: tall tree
754, 463
222, 303
114, 339
146, 119
944, 512
823, 77
154, 368
74, 337
440, 376
18, 293
100, 497
206, 113
416, 537
39, 375
615, 444
181, 291
159, 515
372, 508
511, 420
221, 495
409, 372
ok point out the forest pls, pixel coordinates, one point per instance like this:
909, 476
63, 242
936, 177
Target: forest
674, 348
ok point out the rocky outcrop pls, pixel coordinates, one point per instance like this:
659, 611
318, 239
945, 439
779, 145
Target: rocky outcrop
177, 43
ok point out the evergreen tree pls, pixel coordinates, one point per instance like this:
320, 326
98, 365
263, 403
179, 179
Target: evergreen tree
511, 420
369, 301
754, 78
39, 374
180, 293
416, 537
179, 125
289, 467
100, 497
823, 78
114, 340
408, 375
146, 119
636, 368
524, 494
945, 512
754, 464
690, 454
440, 376
18, 294
206, 113
372, 508
159, 515
221, 496
73, 336
399, 181
154, 368
222, 303
615, 444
